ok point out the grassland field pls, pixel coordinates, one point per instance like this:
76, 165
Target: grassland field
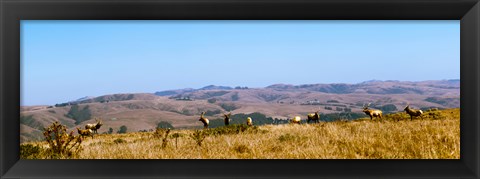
437, 136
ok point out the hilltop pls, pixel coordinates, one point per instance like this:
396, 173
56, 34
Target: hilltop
181, 108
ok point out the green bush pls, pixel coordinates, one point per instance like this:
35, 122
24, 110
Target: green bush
122, 130
434, 115
29, 151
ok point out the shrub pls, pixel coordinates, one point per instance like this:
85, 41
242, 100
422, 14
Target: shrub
162, 134
198, 136
29, 151
61, 144
164, 124
110, 130
119, 141
435, 115
176, 136
233, 129
122, 130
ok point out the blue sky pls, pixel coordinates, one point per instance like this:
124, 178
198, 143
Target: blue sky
67, 60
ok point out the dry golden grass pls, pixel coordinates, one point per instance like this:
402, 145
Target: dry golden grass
361, 139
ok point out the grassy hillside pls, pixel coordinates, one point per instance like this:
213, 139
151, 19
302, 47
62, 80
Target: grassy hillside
395, 137
181, 108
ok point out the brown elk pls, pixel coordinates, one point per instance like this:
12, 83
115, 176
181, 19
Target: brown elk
204, 120
249, 121
94, 127
295, 120
372, 112
315, 117
227, 118
85, 132
413, 112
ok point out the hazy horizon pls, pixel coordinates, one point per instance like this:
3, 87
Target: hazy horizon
66, 60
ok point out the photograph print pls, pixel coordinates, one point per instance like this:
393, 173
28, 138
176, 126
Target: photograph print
249, 89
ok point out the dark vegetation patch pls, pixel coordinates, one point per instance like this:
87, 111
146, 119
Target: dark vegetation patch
270, 97
164, 125
30, 121
79, 115
228, 106
29, 151
215, 94
441, 101
233, 129
235, 97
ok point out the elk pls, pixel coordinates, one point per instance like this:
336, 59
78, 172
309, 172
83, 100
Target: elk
315, 117
295, 120
249, 121
413, 112
372, 112
94, 127
227, 118
204, 120
85, 132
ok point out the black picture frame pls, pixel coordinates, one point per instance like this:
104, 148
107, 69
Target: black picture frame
12, 11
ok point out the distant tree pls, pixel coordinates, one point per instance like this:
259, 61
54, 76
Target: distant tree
123, 129
110, 130
164, 125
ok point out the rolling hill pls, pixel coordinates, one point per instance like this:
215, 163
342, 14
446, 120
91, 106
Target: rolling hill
181, 107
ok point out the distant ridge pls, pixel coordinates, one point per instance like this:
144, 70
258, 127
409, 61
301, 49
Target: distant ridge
181, 107
369, 87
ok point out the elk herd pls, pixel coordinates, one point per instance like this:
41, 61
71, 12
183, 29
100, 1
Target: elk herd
91, 129
315, 117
